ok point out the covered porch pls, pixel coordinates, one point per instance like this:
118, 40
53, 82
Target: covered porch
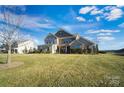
63, 49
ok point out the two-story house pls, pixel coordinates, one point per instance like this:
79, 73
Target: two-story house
64, 42
24, 46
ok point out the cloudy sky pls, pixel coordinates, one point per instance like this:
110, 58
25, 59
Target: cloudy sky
101, 24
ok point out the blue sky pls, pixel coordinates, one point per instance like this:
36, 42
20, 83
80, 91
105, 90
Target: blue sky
101, 24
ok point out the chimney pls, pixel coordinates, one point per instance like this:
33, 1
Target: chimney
77, 36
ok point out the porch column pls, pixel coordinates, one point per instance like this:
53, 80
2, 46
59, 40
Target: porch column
86, 50
59, 50
66, 49
92, 50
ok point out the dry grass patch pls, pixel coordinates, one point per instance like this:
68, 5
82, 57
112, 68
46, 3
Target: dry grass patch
61, 70
12, 65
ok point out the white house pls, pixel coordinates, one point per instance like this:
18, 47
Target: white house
25, 46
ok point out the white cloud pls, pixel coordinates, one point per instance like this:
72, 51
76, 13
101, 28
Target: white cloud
75, 27
104, 34
102, 31
121, 25
111, 45
108, 13
30, 37
81, 19
117, 45
30, 22
36, 23
89, 38
114, 14
96, 11
120, 6
12, 17
105, 38
111, 13
1, 17
98, 18
67, 27
109, 8
87, 9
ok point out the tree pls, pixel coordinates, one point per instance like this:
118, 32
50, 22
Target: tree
10, 23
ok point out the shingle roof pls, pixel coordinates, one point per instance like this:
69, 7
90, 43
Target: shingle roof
62, 33
50, 35
82, 40
85, 41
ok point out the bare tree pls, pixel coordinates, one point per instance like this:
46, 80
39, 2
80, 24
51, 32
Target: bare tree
10, 22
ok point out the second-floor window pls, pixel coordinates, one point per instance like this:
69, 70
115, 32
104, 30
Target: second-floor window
67, 40
49, 41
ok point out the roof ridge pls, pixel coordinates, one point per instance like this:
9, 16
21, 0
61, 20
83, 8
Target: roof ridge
64, 31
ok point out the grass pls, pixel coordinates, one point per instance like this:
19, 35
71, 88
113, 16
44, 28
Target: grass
74, 70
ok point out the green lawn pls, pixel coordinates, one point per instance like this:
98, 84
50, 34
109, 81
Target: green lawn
64, 70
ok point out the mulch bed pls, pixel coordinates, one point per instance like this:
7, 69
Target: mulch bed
12, 65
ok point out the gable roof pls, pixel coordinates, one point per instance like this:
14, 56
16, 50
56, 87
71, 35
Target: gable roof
75, 42
62, 33
85, 41
50, 35
82, 40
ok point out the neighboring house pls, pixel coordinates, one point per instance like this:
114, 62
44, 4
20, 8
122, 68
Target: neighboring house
64, 42
3, 48
24, 46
